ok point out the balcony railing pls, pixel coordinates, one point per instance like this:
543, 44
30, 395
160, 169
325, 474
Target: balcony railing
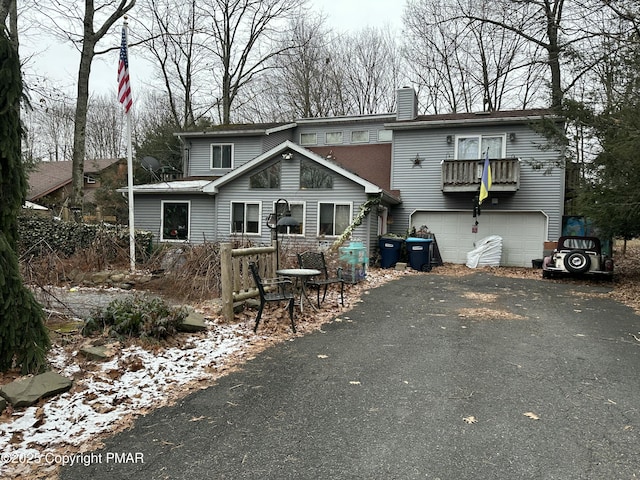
465, 175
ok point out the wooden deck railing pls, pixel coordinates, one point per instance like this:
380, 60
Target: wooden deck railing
465, 175
237, 283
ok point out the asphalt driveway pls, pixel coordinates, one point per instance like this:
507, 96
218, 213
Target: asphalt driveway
429, 377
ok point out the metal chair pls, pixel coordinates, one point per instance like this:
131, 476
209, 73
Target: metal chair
273, 290
316, 261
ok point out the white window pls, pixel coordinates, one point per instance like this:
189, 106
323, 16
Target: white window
360, 136
333, 218
175, 220
332, 138
297, 212
473, 147
221, 155
308, 139
245, 217
384, 135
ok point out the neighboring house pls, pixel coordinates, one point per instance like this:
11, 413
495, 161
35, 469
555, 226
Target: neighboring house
50, 183
414, 170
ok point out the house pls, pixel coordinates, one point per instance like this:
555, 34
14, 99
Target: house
50, 183
391, 173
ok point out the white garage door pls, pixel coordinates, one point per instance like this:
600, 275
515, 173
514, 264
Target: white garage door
523, 234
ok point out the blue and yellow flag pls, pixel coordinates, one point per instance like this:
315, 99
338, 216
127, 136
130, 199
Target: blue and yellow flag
485, 184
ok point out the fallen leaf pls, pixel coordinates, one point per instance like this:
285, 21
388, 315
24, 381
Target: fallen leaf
531, 415
470, 419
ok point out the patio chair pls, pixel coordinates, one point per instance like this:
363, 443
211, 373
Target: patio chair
316, 261
273, 290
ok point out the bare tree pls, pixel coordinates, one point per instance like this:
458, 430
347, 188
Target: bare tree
104, 128
297, 85
67, 19
462, 65
245, 34
371, 70
176, 45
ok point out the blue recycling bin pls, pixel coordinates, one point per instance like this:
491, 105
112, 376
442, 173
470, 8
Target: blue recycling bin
390, 248
419, 251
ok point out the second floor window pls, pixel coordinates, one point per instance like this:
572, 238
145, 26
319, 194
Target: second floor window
245, 217
308, 139
473, 147
360, 136
221, 155
332, 138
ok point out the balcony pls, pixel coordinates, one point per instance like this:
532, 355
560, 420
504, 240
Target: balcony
465, 175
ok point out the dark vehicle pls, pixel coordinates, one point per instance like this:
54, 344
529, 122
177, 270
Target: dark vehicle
576, 255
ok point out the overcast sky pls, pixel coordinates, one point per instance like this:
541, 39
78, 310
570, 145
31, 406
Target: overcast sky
59, 63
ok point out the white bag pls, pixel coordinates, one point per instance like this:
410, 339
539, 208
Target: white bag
487, 253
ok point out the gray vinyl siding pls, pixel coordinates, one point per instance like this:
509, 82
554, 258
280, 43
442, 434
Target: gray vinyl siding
343, 191
275, 139
244, 149
407, 104
148, 215
421, 185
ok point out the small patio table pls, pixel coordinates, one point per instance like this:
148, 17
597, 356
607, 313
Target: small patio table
301, 275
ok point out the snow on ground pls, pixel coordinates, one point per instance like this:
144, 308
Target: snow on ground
134, 381
107, 395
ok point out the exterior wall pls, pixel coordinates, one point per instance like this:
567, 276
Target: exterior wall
421, 185
373, 126
343, 191
274, 139
148, 212
244, 149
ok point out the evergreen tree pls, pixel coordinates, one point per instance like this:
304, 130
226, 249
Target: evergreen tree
23, 337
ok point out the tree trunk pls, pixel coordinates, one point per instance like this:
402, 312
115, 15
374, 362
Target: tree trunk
80, 128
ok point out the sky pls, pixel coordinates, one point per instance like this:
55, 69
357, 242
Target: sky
59, 63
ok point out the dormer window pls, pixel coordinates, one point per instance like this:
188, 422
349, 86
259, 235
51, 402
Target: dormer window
221, 155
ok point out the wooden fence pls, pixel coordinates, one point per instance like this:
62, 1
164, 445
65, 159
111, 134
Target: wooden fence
237, 283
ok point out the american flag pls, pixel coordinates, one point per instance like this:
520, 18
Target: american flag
124, 85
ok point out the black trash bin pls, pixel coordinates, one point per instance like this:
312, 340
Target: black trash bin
390, 248
419, 251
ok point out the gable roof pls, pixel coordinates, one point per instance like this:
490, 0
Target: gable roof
369, 187
48, 177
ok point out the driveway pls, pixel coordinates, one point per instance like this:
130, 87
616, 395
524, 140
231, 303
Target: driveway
430, 377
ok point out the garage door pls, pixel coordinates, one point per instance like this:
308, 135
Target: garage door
523, 234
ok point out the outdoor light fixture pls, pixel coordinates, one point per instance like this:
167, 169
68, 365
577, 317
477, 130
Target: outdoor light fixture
286, 220
449, 139
512, 137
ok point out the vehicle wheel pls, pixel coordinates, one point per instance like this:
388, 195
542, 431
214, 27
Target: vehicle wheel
577, 262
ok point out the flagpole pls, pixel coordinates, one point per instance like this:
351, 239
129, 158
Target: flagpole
132, 232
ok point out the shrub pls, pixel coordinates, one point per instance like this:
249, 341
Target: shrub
136, 316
